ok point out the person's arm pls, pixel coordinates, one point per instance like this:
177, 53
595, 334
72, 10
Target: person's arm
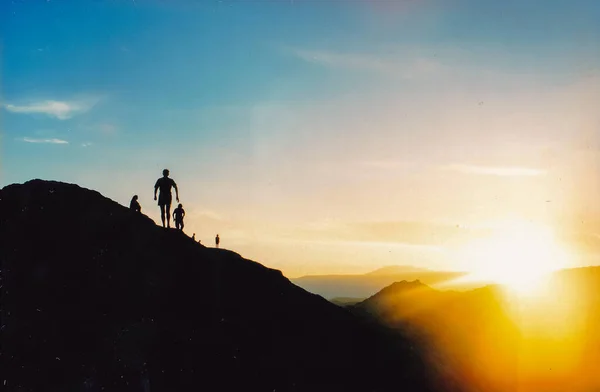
176, 191
155, 189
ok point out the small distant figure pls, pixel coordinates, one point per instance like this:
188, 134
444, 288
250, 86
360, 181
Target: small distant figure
134, 205
164, 198
178, 215
217, 240
194, 237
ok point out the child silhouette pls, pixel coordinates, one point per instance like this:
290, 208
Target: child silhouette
178, 215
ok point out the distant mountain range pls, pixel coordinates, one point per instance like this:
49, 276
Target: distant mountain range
365, 285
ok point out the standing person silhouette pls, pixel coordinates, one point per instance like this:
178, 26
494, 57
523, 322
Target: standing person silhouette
164, 198
217, 240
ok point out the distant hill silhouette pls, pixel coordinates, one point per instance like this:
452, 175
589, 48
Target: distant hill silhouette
365, 285
489, 339
345, 301
98, 298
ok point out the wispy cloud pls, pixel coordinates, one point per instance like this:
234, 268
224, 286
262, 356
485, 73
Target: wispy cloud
61, 110
383, 65
400, 232
427, 234
510, 171
87, 144
387, 164
49, 141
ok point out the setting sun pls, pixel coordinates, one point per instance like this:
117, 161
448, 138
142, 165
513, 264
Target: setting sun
518, 255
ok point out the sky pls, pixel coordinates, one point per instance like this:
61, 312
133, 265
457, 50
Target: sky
316, 136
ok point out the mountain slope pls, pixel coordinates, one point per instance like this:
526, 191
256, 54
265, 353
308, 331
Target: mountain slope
492, 339
471, 338
98, 298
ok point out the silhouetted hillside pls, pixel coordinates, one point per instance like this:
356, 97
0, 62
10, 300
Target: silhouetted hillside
465, 331
98, 298
491, 339
363, 286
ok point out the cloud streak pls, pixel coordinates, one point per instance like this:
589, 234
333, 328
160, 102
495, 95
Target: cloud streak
47, 141
387, 164
61, 110
503, 171
428, 234
423, 234
389, 66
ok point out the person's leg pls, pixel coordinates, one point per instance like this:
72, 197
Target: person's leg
181, 225
169, 215
162, 214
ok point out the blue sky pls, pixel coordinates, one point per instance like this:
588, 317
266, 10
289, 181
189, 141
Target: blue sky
286, 122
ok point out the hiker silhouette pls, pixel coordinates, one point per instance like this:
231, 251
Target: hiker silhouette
134, 205
178, 215
164, 198
217, 240
194, 237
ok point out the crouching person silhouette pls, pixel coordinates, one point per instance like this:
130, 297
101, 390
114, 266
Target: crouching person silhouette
164, 198
178, 215
134, 204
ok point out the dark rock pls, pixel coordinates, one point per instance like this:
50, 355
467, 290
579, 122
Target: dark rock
96, 297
